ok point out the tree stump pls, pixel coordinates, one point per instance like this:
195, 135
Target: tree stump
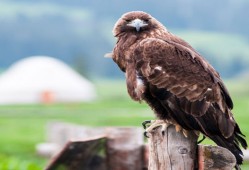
172, 150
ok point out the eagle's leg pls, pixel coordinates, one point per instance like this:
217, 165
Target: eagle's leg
150, 125
147, 123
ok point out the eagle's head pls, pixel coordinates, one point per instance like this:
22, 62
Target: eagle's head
136, 22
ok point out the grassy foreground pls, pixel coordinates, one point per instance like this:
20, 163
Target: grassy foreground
23, 126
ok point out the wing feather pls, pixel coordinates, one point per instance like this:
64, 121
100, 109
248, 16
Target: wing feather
179, 70
183, 72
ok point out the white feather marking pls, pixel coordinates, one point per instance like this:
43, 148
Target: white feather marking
158, 68
140, 87
139, 82
209, 89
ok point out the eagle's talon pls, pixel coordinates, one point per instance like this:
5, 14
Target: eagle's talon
145, 123
203, 138
145, 134
151, 125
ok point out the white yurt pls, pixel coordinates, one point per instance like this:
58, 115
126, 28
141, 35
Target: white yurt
42, 79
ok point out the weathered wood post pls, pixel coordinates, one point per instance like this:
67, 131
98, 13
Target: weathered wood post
215, 158
80, 155
172, 150
124, 148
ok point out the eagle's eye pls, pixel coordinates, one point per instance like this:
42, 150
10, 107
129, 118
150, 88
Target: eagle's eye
128, 20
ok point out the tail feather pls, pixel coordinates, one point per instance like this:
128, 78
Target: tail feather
233, 146
239, 137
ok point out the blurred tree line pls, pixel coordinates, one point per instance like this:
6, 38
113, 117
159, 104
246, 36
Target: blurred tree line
79, 32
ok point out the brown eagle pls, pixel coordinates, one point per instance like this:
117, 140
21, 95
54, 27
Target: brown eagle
175, 80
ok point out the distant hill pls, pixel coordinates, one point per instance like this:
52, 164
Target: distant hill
79, 32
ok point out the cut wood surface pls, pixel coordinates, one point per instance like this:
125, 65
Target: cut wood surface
80, 155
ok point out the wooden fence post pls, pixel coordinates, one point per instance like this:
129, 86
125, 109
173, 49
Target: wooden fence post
172, 150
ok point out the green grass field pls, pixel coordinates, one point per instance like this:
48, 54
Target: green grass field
23, 126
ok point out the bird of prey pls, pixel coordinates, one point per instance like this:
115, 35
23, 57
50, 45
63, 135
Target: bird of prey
178, 84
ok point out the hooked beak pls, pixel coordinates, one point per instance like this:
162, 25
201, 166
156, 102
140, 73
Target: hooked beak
137, 23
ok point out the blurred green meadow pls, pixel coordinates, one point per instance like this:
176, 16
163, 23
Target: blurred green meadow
23, 126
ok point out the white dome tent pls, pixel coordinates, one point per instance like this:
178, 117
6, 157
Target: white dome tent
40, 79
